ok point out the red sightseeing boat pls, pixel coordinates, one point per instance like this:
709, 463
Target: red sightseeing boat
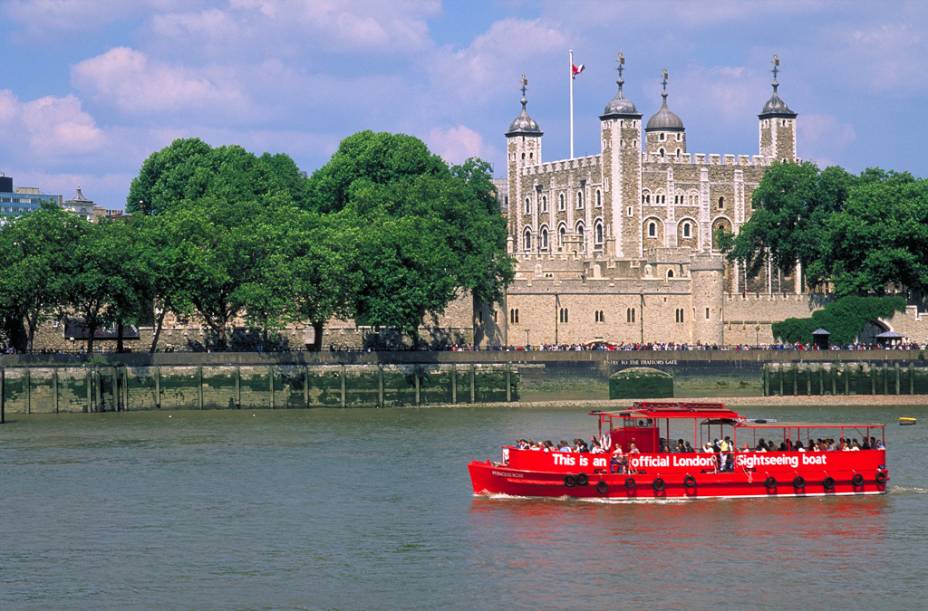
634, 458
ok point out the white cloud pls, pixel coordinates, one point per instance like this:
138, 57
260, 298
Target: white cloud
133, 83
455, 144
51, 126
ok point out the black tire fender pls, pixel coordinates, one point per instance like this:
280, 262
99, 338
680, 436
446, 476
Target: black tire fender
770, 483
881, 477
602, 487
658, 484
799, 482
630, 483
689, 482
857, 480
582, 479
570, 481
829, 483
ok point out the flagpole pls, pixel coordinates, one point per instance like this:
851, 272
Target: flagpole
570, 75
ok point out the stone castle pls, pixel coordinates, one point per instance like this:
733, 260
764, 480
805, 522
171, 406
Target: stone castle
622, 246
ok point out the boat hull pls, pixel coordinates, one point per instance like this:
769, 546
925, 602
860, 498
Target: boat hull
654, 483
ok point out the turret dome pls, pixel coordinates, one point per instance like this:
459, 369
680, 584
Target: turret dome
620, 106
523, 124
664, 120
775, 106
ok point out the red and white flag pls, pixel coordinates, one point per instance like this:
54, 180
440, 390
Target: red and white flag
575, 69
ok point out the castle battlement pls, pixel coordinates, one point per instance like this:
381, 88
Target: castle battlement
590, 161
700, 159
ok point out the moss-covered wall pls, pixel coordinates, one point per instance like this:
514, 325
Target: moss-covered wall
845, 379
640, 383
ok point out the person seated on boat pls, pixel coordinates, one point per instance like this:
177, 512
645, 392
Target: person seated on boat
800, 447
548, 446
617, 462
707, 448
632, 448
664, 448
855, 447
522, 444
865, 445
534, 445
761, 445
580, 446
688, 448
563, 446
876, 444
680, 448
595, 448
746, 447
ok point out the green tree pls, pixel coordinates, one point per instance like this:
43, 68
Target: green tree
431, 232
791, 207
189, 169
35, 251
844, 318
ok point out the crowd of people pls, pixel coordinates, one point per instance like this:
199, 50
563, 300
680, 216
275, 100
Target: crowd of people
602, 346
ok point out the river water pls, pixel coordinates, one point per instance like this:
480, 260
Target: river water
372, 509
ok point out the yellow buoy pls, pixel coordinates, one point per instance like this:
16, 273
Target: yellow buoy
907, 420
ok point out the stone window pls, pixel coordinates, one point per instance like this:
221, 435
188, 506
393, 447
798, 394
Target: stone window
721, 203
599, 316
678, 153
599, 199
598, 233
560, 202
687, 229
661, 136
669, 273
645, 197
678, 315
528, 205
660, 151
630, 315
561, 235
514, 316
543, 238
579, 200
527, 239
581, 232
707, 313
563, 315
679, 137
629, 212
694, 199
544, 203
652, 229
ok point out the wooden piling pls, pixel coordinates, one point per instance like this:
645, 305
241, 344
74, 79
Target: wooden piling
28, 390
508, 382
473, 383
380, 400
125, 388
270, 385
114, 391
2, 395
200, 387
454, 383
88, 382
344, 388
306, 386
55, 388
157, 386
238, 387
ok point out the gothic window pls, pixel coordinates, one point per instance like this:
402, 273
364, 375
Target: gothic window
652, 229
661, 137
563, 315
629, 212
660, 151
544, 203
514, 316
630, 315
579, 200
645, 197
678, 315
560, 202
599, 199
687, 229
669, 273
598, 232
506, 201
581, 232
543, 238
678, 153
528, 206
679, 137
561, 235
721, 203
527, 239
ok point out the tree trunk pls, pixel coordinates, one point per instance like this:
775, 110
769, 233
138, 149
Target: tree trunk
16, 334
91, 331
119, 331
317, 336
30, 333
159, 323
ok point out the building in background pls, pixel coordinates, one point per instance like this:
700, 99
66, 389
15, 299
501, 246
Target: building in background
17, 201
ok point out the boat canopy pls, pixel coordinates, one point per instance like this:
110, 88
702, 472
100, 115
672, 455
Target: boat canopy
688, 410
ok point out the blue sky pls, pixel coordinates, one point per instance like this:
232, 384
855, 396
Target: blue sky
89, 88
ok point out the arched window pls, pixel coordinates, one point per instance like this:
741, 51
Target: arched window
581, 232
661, 136
544, 203
721, 203
579, 200
560, 202
599, 199
645, 197
514, 315
543, 238
678, 153
527, 239
660, 151
652, 229
598, 232
670, 273
528, 206
678, 315
687, 229
561, 235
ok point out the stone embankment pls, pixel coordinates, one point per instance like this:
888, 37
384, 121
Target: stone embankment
733, 402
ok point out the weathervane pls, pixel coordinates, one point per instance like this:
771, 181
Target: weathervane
664, 85
775, 71
524, 82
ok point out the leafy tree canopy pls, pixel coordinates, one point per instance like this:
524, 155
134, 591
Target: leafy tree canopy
844, 318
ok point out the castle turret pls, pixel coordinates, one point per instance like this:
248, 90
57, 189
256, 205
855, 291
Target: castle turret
666, 136
707, 274
620, 131
777, 124
523, 148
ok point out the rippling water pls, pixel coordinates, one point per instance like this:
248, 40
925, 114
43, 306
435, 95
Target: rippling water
373, 509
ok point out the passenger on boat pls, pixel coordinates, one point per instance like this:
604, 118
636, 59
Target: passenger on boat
855, 447
761, 445
549, 447
680, 447
707, 448
522, 444
563, 446
688, 448
617, 462
632, 448
725, 450
581, 447
595, 448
